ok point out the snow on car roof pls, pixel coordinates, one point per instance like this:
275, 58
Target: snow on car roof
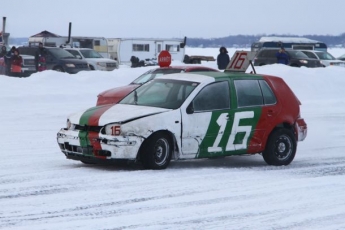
287, 39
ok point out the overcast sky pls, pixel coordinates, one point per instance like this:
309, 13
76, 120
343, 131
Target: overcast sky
173, 18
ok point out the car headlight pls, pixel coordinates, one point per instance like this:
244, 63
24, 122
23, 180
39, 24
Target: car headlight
113, 129
70, 65
303, 61
102, 64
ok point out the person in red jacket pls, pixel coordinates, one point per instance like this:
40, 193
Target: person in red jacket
16, 64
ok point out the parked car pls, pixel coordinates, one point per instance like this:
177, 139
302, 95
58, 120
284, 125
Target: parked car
28, 65
190, 115
297, 58
324, 57
95, 60
342, 57
58, 59
112, 96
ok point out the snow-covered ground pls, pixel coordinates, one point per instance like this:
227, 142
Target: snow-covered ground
40, 189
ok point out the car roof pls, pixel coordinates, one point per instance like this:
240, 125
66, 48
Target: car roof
69, 48
211, 76
187, 67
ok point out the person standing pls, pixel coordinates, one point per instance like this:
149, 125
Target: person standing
16, 64
282, 56
223, 58
8, 58
2, 59
40, 58
3, 51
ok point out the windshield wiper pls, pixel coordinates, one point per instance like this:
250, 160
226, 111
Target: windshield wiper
135, 97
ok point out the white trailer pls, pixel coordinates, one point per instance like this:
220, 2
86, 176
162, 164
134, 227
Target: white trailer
122, 49
98, 44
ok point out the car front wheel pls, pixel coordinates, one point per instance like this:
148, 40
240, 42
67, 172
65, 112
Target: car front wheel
280, 148
156, 152
59, 69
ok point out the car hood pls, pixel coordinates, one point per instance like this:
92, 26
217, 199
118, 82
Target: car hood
100, 60
73, 60
119, 113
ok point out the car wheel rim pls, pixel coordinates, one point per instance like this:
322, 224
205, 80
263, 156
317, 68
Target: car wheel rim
283, 147
161, 151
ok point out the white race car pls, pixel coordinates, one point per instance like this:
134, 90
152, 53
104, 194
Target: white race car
190, 115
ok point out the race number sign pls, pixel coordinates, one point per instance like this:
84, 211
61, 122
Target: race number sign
240, 61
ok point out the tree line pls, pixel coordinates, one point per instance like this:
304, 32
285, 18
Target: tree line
238, 40
247, 40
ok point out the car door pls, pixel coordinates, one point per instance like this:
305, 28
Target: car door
204, 122
256, 110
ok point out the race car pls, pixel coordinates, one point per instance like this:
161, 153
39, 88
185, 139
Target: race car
112, 96
190, 116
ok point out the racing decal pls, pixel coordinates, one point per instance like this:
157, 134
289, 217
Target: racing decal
229, 132
91, 118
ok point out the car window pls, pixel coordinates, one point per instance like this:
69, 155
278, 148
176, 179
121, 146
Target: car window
213, 97
248, 93
75, 53
162, 93
151, 74
310, 55
297, 54
325, 56
61, 53
268, 95
90, 54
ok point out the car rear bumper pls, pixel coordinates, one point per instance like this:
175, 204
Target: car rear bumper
301, 129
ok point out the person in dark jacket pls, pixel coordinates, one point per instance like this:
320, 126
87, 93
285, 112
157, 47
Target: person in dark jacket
40, 53
16, 64
8, 57
223, 58
3, 51
282, 57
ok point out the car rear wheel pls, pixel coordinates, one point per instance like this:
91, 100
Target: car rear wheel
156, 152
280, 148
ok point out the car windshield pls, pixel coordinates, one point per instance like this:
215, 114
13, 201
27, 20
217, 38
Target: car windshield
61, 53
151, 74
342, 56
325, 56
90, 54
297, 54
162, 93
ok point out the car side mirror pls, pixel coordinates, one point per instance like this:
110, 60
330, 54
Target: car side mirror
78, 56
190, 108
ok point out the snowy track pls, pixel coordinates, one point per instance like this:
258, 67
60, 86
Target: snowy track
40, 189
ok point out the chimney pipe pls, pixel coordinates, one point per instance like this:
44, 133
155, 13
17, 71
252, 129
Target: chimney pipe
69, 33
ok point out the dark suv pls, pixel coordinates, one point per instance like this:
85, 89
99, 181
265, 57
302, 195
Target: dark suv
297, 58
58, 59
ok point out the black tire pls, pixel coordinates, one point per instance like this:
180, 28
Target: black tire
91, 67
280, 147
156, 152
59, 69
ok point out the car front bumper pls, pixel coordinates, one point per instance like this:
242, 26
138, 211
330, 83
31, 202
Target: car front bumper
100, 146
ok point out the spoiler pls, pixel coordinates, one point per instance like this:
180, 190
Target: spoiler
240, 61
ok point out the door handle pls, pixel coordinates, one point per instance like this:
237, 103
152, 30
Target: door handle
270, 112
